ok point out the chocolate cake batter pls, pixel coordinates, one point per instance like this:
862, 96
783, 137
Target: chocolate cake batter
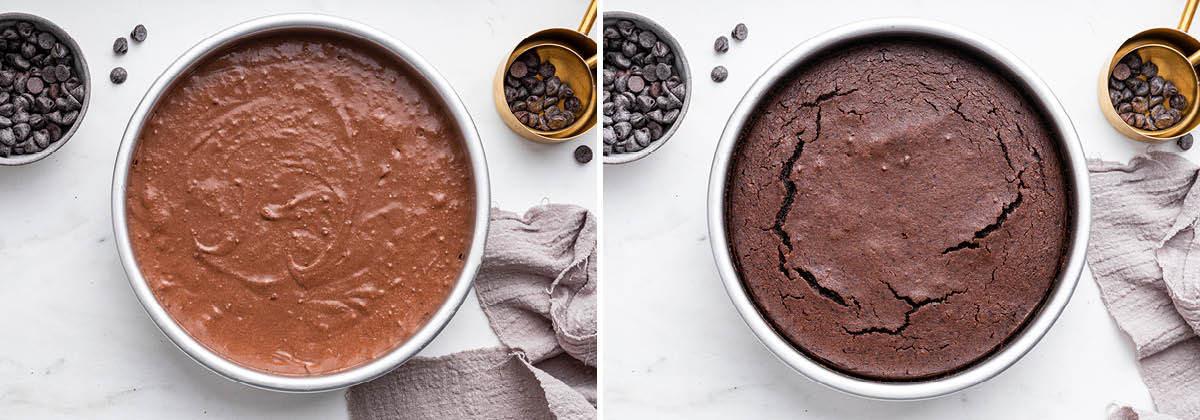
301, 203
897, 210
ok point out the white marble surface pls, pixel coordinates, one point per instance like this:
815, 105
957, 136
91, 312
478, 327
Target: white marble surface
674, 348
74, 343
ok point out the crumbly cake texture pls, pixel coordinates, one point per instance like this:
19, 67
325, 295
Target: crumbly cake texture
897, 210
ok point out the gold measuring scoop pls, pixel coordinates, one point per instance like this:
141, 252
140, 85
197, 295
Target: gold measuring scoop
574, 56
1176, 54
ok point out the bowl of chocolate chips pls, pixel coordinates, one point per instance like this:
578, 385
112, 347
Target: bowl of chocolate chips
44, 88
646, 83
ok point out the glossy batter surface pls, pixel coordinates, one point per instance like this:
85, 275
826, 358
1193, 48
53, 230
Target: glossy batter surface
897, 210
301, 203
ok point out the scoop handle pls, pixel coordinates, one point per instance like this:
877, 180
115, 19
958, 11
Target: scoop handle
589, 17
1185, 21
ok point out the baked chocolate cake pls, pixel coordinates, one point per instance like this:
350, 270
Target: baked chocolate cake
897, 210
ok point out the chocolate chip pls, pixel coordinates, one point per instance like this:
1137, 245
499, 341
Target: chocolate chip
1143, 88
25, 29
546, 70
138, 33
721, 45
739, 32
1133, 61
1156, 85
647, 39
35, 85
1163, 120
21, 131
573, 104
583, 154
120, 46
719, 74
118, 75
7, 137
636, 84
1154, 100
46, 40
1149, 70
518, 70
1178, 102
41, 138
1185, 142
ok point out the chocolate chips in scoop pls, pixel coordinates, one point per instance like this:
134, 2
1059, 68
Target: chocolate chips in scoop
537, 97
40, 90
1142, 97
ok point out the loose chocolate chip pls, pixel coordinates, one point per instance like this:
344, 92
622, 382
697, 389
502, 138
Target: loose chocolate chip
721, 45
120, 46
1124, 107
28, 50
1185, 142
7, 137
1149, 70
1115, 84
739, 32
719, 74
1154, 100
44, 104
118, 75
583, 154
138, 33
1126, 94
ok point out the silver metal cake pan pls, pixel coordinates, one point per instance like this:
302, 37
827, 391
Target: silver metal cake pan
1039, 95
177, 334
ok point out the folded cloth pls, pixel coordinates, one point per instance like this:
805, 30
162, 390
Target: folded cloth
537, 286
1143, 231
538, 282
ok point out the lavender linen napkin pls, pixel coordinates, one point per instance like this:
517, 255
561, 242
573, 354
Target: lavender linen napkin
537, 286
1143, 232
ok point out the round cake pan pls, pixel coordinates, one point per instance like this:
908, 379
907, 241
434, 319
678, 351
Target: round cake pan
681, 64
215, 44
1038, 94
